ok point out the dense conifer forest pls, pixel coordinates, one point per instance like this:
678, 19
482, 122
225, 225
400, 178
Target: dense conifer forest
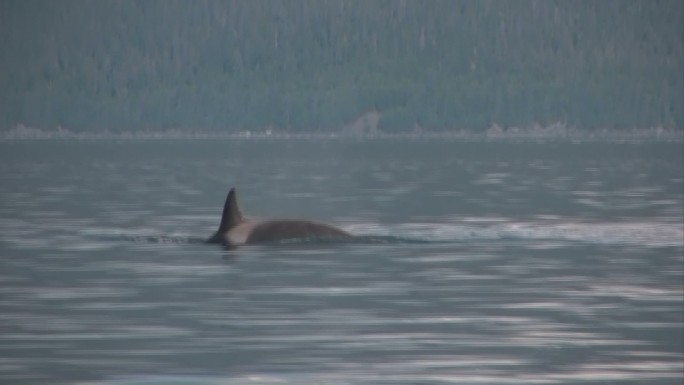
317, 65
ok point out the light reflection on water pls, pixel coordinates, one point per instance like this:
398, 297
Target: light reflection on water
501, 277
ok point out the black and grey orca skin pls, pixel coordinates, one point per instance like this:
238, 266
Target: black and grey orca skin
234, 230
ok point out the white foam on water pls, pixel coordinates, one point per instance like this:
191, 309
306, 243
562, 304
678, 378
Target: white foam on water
641, 233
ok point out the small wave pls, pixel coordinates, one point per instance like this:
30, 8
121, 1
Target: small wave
142, 236
165, 239
388, 239
172, 239
654, 234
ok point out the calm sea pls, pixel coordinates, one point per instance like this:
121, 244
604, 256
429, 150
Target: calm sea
476, 263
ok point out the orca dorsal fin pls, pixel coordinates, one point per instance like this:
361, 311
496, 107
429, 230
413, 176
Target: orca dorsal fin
231, 212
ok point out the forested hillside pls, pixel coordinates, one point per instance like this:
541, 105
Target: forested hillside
316, 65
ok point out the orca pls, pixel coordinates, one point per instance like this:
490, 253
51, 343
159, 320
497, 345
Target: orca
235, 230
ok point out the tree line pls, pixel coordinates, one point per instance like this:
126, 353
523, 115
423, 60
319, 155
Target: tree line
316, 65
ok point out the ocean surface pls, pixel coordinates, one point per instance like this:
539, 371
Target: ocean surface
475, 262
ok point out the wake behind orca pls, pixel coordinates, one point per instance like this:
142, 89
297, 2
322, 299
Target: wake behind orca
234, 230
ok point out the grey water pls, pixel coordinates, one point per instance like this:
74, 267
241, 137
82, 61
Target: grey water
477, 262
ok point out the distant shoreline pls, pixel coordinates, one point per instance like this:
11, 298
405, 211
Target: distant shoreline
554, 132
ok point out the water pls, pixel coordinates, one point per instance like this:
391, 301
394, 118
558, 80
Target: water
476, 263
